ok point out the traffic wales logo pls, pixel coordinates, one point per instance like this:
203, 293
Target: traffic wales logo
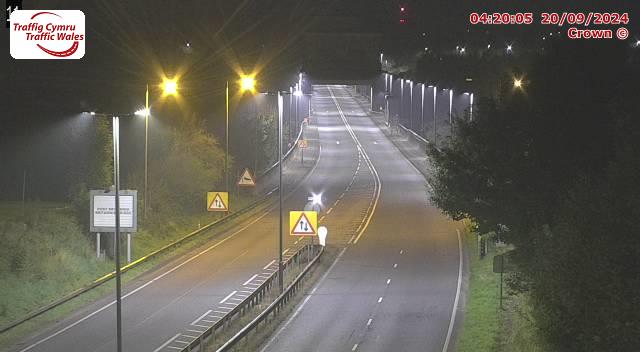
47, 34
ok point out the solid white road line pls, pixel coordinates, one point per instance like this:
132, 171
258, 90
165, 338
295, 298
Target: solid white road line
378, 182
88, 316
445, 348
200, 317
268, 265
250, 279
166, 343
228, 296
299, 309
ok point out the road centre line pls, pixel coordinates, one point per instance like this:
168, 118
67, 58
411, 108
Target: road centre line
361, 150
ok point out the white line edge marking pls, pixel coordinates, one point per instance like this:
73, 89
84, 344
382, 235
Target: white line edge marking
200, 317
361, 150
455, 302
144, 285
164, 344
355, 347
250, 279
268, 265
177, 266
295, 314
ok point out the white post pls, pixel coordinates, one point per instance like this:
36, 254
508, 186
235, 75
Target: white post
98, 245
471, 107
371, 95
129, 247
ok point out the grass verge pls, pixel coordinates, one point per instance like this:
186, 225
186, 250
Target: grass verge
486, 326
72, 265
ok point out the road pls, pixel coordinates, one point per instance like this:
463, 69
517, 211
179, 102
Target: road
395, 288
165, 308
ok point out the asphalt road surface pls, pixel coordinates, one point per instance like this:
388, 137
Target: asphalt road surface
166, 308
395, 287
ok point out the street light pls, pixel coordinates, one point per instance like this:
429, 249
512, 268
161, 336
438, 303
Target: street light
435, 125
169, 86
517, 83
116, 181
247, 84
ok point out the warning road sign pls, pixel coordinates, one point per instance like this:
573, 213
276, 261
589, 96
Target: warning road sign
246, 179
303, 223
302, 143
217, 201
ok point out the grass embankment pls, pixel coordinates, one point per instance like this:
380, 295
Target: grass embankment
487, 327
45, 254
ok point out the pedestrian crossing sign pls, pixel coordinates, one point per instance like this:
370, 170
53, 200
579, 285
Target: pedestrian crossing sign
303, 223
217, 201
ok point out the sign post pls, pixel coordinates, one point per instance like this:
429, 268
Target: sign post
302, 144
501, 264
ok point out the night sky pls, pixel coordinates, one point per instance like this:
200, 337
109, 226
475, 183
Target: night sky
133, 43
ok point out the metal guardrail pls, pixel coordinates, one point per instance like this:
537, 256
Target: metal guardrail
208, 336
415, 135
101, 280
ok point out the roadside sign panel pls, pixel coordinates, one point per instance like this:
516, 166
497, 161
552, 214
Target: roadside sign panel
302, 143
503, 264
103, 214
217, 201
303, 223
246, 179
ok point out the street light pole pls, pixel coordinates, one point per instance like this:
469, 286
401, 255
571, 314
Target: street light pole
280, 263
435, 124
470, 106
411, 105
146, 153
226, 135
422, 111
116, 177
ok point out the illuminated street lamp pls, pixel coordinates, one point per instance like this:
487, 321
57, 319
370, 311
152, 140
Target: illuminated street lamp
169, 86
247, 84
517, 83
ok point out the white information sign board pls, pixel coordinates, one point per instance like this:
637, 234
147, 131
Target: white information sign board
103, 215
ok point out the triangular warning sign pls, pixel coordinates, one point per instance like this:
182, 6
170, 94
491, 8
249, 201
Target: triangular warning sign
246, 179
217, 203
303, 226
